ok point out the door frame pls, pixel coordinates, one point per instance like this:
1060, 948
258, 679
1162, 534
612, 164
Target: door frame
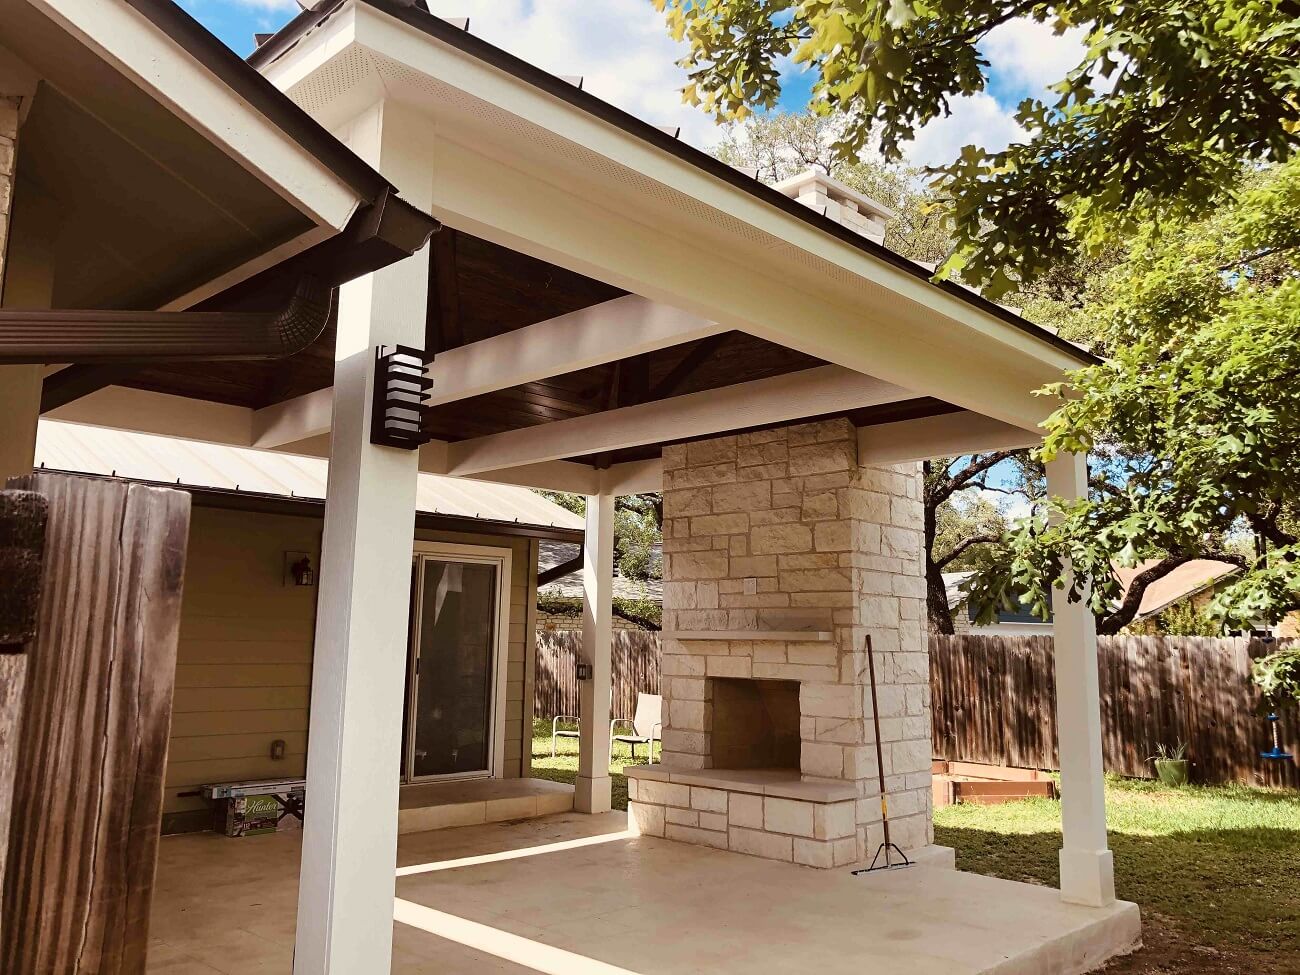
481, 554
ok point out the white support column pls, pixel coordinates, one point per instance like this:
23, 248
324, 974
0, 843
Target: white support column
592, 793
349, 849
1087, 867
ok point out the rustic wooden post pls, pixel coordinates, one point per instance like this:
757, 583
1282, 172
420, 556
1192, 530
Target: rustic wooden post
87, 796
22, 542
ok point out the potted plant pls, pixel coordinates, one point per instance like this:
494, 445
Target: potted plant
1171, 765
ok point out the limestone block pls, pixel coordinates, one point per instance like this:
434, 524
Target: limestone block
820, 431
706, 595
686, 688
816, 580
824, 504
728, 666
696, 565
728, 524
745, 810
760, 844
835, 820
788, 816
688, 715
690, 477
708, 800
715, 450
771, 452
814, 853
820, 758
821, 654
830, 700
777, 515
688, 501
645, 820
716, 821
833, 536
773, 539
681, 817
700, 837
752, 566
681, 665
664, 793
685, 742
822, 458
860, 761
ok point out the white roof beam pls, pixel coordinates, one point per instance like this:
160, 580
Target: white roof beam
612, 330
809, 392
949, 435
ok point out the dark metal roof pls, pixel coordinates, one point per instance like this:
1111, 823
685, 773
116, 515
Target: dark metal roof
408, 12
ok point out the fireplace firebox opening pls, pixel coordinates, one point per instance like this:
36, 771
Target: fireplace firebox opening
755, 723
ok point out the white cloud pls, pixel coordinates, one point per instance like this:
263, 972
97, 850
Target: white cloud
620, 47
975, 120
1031, 55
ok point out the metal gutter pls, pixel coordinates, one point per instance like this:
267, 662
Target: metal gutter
413, 16
135, 337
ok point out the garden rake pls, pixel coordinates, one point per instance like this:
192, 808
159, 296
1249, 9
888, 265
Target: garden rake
888, 848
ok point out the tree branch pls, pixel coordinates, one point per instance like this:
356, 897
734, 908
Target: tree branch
964, 544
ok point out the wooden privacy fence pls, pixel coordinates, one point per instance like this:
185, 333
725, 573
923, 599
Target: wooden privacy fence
994, 699
636, 655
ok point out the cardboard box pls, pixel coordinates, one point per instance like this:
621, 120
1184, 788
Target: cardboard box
251, 815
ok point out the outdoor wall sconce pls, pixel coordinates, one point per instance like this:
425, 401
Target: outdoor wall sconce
298, 569
401, 390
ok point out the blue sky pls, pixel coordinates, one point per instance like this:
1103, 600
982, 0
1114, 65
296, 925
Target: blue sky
621, 48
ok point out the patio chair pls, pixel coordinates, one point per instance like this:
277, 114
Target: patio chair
556, 732
647, 726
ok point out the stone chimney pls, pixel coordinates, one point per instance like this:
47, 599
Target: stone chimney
843, 204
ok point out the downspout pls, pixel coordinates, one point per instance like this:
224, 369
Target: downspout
134, 337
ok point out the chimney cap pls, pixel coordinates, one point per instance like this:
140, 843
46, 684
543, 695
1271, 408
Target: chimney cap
794, 186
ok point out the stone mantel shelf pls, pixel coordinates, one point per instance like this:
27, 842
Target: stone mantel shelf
801, 636
782, 783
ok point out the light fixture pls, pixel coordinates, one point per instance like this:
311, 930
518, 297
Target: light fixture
298, 569
401, 390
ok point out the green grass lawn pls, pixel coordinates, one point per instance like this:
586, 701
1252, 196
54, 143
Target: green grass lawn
1216, 871
564, 766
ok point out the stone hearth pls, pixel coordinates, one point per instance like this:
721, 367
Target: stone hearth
782, 556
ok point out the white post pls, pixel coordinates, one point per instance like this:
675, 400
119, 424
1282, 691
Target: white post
1087, 867
349, 848
592, 789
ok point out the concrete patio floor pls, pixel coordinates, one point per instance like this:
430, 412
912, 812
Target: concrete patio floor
575, 895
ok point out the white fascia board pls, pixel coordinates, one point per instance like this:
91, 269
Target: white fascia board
446, 64
949, 435
558, 475
143, 411
810, 392
160, 67
606, 332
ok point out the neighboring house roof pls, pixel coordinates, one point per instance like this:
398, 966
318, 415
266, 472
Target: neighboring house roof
570, 586
1182, 583
78, 449
456, 33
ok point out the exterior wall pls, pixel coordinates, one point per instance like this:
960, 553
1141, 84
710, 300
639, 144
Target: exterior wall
782, 530
243, 665
243, 676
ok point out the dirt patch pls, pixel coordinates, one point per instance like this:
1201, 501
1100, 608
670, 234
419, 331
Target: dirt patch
1167, 952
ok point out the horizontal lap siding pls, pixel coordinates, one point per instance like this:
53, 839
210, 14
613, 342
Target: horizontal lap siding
243, 670
243, 675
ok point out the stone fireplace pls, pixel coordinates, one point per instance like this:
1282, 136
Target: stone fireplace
782, 557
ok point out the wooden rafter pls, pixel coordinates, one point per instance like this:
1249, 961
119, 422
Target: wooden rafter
443, 327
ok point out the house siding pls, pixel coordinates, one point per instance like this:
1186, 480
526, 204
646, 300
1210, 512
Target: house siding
243, 674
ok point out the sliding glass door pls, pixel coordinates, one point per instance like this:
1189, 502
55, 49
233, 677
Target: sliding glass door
455, 705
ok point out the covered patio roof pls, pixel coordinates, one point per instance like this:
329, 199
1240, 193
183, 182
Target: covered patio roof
601, 288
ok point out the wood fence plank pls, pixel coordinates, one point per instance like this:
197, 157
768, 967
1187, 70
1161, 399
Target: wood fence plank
89, 788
